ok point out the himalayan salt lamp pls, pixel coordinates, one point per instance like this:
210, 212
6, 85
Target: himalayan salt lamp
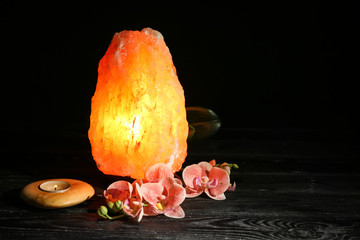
138, 115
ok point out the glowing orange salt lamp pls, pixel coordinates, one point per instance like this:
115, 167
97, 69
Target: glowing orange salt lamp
138, 115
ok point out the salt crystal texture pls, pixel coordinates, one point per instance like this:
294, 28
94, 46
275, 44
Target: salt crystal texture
138, 115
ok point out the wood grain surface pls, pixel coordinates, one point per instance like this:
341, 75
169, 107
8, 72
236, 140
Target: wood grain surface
290, 185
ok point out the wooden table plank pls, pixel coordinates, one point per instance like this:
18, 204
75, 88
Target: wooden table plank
289, 186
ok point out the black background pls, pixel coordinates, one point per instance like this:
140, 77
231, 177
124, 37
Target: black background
272, 67
282, 78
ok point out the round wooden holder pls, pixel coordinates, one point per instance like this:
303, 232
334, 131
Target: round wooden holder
56, 193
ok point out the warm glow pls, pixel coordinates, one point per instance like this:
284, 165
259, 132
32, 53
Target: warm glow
138, 115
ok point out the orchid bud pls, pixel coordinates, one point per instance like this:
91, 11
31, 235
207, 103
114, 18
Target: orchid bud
118, 206
102, 212
110, 205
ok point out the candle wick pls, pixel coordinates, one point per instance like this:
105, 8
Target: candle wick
55, 187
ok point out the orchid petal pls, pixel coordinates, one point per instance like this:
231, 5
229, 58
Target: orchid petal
232, 188
151, 192
137, 191
138, 181
150, 211
206, 167
197, 182
191, 193
191, 172
167, 182
178, 181
213, 162
217, 197
223, 181
176, 195
176, 212
119, 190
213, 183
121, 185
158, 171
140, 215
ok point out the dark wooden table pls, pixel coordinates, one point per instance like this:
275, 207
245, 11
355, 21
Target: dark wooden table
299, 184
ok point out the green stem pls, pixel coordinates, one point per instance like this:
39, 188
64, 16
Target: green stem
231, 165
115, 217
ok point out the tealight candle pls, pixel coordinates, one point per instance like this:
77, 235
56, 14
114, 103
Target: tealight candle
54, 186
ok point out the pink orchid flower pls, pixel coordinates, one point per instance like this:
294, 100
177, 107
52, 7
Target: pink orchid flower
203, 177
132, 200
164, 197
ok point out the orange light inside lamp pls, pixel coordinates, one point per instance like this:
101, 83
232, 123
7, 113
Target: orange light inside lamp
138, 115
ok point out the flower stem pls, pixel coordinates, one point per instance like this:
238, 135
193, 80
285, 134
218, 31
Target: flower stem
231, 165
115, 217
